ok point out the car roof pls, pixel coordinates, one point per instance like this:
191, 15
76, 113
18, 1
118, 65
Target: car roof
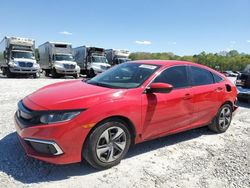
166, 63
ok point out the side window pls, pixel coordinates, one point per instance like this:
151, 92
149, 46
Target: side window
217, 78
176, 76
201, 76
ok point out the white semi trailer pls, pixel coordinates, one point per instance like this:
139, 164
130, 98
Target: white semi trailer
116, 57
92, 60
17, 57
56, 58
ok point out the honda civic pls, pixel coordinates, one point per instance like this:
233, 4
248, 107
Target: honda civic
99, 119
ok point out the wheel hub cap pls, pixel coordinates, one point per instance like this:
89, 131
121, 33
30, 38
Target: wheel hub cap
111, 144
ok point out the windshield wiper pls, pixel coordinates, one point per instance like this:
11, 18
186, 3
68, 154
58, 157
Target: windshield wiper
104, 85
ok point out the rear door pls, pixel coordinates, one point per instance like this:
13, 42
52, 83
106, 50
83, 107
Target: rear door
205, 95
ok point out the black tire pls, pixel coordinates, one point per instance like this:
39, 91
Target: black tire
91, 73
76, 76
47, 72
54, 73
222, 120
36, 75
104, 160
9, 74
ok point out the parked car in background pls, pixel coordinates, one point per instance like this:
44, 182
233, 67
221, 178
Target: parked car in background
243, 86
99, 119
17, 57
56, 58
230, 74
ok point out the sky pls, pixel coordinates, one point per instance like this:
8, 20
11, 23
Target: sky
184, 27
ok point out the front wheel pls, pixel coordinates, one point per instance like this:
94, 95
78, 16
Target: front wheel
91, 73
222, 120
9, 74
107, 144
54, 73
76, 76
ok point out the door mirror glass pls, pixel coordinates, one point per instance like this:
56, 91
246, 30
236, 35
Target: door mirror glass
159, 88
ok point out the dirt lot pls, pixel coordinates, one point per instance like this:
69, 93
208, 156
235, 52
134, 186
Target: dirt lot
196, 158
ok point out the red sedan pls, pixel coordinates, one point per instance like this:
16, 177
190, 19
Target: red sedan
99, 119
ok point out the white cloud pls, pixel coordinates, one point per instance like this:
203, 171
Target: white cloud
65, 33
145, 42
174, 43
248, 41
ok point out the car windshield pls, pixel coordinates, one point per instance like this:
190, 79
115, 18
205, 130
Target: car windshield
125, 76
63, 57
98, 59
27, 55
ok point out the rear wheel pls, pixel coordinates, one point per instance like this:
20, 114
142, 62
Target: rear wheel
222, 120
107, 144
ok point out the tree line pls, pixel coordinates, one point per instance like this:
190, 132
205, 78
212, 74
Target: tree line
232, 60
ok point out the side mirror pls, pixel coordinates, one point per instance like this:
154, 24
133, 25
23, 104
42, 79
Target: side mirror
159, 88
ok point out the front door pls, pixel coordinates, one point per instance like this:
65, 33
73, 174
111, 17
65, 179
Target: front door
163, 113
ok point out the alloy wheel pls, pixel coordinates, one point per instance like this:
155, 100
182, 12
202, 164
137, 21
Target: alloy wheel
225, 117
111, 144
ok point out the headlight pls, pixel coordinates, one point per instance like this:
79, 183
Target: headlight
58, 117
36, 65
13, 64
58, 65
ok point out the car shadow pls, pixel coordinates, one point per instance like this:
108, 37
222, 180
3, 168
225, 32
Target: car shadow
15, 163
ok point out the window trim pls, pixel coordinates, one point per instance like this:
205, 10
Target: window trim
158, 73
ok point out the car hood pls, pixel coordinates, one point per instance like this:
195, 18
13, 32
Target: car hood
70, 95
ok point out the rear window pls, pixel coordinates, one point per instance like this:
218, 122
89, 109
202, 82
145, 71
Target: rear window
217, 78
201, 76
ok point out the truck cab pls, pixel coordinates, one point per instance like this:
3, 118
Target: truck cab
19, 57
97, 63
56, 58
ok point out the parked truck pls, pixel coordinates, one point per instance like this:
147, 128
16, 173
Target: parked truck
17, 57
116, 57
92, 60
56, 58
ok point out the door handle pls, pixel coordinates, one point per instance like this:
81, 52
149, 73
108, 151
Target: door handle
187, 96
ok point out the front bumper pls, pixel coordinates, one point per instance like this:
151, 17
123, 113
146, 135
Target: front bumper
63, 140
67, 72
24, 70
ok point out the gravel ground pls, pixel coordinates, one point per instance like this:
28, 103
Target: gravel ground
196, 158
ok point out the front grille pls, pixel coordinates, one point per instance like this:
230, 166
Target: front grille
104, 67
69, 66
25, 64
